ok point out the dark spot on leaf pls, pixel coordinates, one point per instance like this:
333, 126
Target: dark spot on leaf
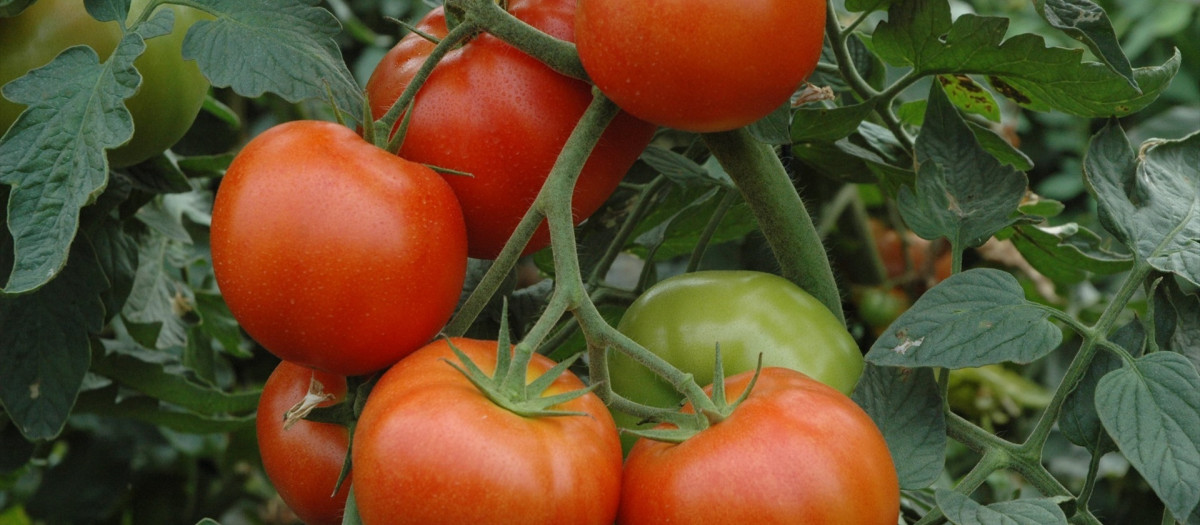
1008, 90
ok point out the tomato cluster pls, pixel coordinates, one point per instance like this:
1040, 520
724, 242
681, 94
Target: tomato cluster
346, 261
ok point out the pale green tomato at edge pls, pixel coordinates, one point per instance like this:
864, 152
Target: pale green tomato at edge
683, 318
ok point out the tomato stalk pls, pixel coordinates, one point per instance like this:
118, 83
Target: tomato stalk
785, 221
489, 16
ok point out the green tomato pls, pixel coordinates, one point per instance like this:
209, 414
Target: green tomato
172, 89
682, 319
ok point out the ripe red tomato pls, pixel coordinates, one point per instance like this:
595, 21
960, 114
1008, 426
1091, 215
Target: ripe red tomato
430, 448
795, 451
333, 253
502, 116
700, 65
304, 460
172, 88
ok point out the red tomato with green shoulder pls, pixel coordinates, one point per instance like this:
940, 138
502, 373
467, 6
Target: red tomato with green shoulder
826, 462
502, 116
172, 89
700, 65
333, 253
303, 460
683, 318
431, 448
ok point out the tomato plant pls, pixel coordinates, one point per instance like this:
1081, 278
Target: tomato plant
172, 88
331, 252
700, 66
304, 458
683, 318
432, 448
502, 117
826, 463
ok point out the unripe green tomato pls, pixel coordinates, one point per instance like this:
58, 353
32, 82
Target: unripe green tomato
683, 318
172, 88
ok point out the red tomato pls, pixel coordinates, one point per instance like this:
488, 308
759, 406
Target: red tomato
430, 448
333, 253
795, 451
304, 460
502, 116
700, 65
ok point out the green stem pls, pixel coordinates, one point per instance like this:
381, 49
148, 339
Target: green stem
452, 39
1083, 358
727, 201
559, 55
780, 212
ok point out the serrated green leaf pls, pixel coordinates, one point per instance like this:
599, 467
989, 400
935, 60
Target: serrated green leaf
1151, 408
161, 375
868, 5
1079, 422
285, 47
960, 509
158, 174
45, 347
907, 407
117, 254
1068, 253
1151, 201
1176, 320
870, 154
828, 124
218, 322
55, 151
962, 192
158, 297
974, 318
1087, 22
999, 148
149, 410
675, 227
921, 34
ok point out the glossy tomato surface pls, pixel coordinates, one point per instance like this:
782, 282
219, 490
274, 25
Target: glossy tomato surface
172, 88
502, 116
304, 460
430, 448
700, 65
683, 318
794, 452
333, 253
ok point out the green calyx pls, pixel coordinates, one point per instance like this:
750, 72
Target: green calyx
713, 411
506, 387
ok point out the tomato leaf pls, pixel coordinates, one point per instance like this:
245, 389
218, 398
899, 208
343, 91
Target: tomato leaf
1079, 422
920, 33
281, 47
1177, 327
1087, 22
1068, 253
828, 124
1163, 441
9, 8
1150, 201
907, 407
962, 192
974, 318
106, 402
54, 152
162, 376
44, 344
157, 298
969, 96
962, 510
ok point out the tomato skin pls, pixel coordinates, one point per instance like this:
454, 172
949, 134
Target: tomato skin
827, 463
304, 460
683, 318
700, 65
430, 448
172, 89
333, 253
502, 116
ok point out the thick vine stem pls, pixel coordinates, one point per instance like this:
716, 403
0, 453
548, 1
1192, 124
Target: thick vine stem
785, 222
488, 16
